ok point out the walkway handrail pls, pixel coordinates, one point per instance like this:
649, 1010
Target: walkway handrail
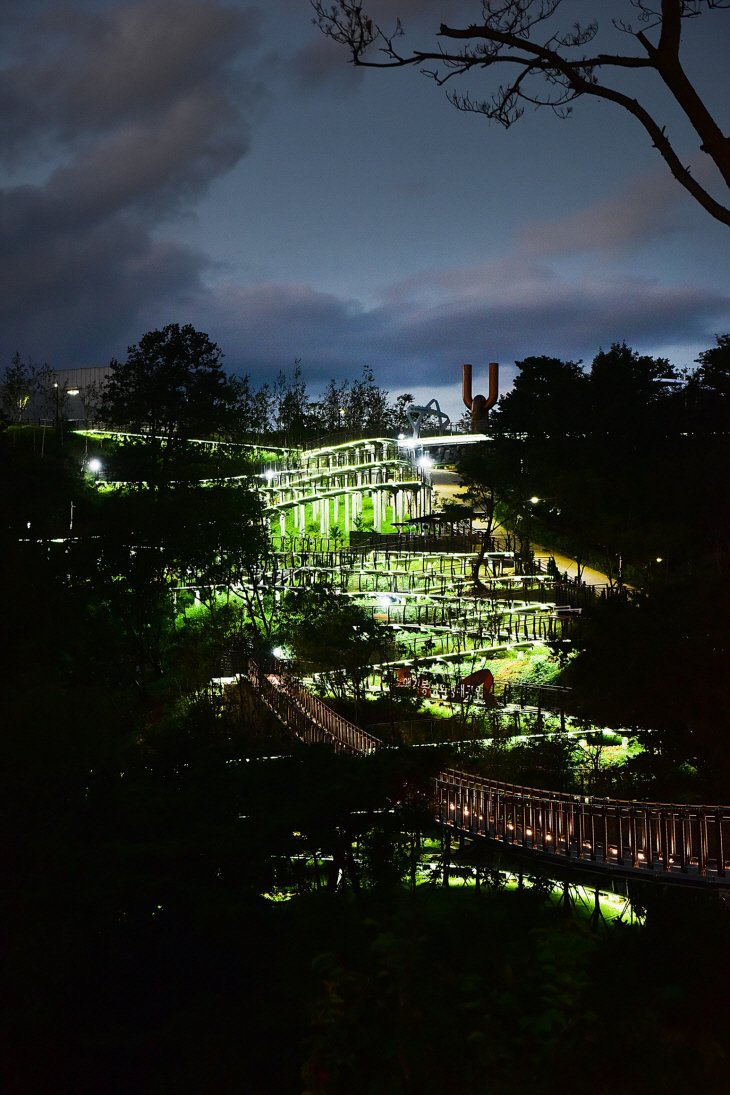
659, 840
662, 838
306, 715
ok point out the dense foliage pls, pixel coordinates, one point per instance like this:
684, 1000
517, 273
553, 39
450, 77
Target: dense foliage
624, 467
197, 903
172, 386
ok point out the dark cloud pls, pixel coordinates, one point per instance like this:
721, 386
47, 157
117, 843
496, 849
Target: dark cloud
510, 311
425, 327
143, 106
116, 116
86, 294
78, 71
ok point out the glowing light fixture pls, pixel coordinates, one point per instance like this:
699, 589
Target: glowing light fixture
278, 652
534, 500
94, 465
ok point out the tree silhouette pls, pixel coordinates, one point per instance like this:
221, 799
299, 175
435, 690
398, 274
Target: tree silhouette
172, 385
554, 70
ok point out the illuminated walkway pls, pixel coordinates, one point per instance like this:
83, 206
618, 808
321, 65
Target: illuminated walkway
327, 486
602, 838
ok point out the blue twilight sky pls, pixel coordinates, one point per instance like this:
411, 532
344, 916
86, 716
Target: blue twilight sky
218, 162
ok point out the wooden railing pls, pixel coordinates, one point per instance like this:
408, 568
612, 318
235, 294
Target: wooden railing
655, 839
305, 715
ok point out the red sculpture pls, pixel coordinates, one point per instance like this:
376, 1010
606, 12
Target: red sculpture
482, 677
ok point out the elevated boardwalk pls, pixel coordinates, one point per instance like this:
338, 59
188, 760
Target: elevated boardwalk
656, 842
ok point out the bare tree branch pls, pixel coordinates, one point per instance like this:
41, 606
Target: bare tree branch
506, 36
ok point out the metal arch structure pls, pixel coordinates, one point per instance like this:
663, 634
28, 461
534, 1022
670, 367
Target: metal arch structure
416, 415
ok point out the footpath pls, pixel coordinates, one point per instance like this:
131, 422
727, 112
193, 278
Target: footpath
449, 489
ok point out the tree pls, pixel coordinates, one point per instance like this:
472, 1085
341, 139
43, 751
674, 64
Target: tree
548, 399
398, 418
714, 368
16, 388
144, 544
172, 385
553, 70
626, 391
331, 407
291, 404
332, 635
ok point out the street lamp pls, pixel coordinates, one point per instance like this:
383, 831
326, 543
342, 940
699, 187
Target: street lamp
94, 466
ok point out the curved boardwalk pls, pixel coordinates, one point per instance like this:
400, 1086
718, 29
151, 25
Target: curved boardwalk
654, 841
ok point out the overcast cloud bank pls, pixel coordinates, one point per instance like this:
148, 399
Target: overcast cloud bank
116, 118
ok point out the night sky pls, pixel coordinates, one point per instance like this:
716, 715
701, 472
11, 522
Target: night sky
220, 163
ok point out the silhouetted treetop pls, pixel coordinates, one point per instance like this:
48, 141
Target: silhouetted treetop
172, 384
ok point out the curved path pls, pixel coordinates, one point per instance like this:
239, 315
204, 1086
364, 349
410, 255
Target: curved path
668, 843
448, 487
659, 842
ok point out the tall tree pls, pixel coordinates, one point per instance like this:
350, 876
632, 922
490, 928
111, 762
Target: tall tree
549, 66
146, 542
172, 385
291, 404
714, 368
331, 407
626, 390
548, 399
333, 636
367, 404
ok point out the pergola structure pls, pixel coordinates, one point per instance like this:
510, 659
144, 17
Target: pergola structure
326, 484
